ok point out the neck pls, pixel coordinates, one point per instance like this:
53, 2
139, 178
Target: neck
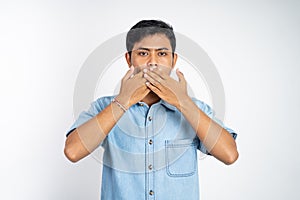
151, 98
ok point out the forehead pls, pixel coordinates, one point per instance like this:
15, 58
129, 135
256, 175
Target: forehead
155, 41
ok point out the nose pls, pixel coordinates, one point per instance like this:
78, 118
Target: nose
152, 64
152, 61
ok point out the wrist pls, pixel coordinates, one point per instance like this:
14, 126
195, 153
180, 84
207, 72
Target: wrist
114, 100
184, 103
123, 100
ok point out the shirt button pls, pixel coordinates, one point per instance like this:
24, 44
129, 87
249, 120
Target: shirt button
151, 192
141, 104
150, 167
150, 142
150, 118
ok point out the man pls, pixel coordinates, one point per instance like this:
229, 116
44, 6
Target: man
151, 130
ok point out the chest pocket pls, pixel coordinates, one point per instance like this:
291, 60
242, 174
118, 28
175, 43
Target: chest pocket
181, 157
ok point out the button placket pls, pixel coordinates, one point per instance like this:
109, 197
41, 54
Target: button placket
150, 141
150, 156
151, 192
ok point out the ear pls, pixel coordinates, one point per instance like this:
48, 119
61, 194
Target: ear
128, 59
174, 60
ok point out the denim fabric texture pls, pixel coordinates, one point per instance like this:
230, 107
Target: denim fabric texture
151, 153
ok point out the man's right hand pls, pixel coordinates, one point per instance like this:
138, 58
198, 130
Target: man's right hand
133, 88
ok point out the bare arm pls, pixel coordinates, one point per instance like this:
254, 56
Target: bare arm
216, 139
84, 139
87, 137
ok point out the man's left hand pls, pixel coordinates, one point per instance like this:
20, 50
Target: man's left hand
172, 91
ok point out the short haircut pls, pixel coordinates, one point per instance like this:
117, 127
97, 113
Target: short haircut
146, 28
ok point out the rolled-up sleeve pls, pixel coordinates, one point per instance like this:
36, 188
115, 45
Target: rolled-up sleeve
210, 113
95, 107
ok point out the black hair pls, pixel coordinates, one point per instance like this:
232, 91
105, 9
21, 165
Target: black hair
146, 28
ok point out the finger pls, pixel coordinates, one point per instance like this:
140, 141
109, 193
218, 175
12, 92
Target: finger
139, 74
162, 71
180, 75
153, 79
153, 88
154, 75
146, 91
138, 79
129, 73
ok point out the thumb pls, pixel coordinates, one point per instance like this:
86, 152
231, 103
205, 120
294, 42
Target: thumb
129, 73
180, 75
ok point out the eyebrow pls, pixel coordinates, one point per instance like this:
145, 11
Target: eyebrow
148, 49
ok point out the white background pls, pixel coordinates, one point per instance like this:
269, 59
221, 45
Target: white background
255, 46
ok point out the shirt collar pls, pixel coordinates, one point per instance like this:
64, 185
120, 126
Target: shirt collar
162, 102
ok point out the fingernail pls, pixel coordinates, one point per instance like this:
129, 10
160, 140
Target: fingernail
145, 75
145, 70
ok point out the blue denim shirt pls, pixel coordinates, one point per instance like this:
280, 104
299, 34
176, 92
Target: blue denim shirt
151, 153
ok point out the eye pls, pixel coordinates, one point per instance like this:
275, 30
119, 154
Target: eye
162, 53
143, 53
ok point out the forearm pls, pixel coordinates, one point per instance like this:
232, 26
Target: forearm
87, 137
216, 139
